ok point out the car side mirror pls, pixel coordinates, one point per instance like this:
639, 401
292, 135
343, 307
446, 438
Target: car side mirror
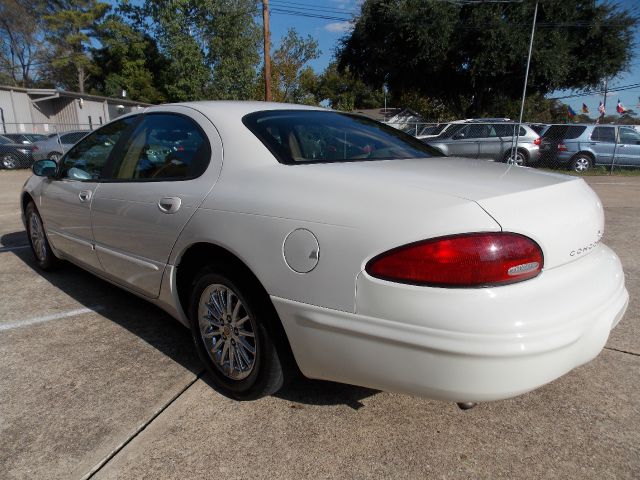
45, 168
458, 136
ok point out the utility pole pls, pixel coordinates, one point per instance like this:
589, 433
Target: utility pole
267, 51
604, 102
514, 150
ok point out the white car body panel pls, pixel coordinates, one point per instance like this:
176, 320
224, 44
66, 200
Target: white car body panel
456, 344
133, 237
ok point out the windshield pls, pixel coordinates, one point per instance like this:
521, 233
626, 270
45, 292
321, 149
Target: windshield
316, 136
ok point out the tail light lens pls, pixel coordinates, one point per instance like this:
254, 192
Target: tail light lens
562, 147
469, 260
537, 141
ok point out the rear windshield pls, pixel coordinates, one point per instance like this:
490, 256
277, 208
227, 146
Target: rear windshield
566, 132
316, 136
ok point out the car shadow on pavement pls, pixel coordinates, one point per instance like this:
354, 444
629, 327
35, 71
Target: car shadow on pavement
15, 239
163, 332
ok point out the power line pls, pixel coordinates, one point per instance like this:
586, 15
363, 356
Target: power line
306, 6
599, 92
296, 13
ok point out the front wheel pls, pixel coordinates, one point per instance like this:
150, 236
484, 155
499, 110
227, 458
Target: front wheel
230, 328
9, 161
38, 241
581, 163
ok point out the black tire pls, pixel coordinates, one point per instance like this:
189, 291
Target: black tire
522, 158
44, 256
9, 161
581, 163
266, 375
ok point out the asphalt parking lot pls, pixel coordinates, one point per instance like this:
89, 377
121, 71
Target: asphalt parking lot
96, 383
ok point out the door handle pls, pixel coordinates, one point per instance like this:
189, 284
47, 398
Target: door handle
84, 195
169, 204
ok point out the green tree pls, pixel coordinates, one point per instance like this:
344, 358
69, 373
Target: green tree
342, 91
470, 56
211, 45
128, 60
22, 46
288, 73
232, 43
71, 26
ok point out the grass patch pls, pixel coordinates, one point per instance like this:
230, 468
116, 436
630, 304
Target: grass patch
599, 171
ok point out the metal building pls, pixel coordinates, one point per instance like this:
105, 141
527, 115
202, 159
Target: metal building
47, 110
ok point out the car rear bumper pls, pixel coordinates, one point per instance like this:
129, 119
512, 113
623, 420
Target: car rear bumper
556, 157
462, 345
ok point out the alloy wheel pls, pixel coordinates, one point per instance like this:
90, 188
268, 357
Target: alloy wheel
581, 164
36, 233
519, 159
9, 162
227, 331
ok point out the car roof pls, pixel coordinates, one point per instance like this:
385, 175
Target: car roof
235, 109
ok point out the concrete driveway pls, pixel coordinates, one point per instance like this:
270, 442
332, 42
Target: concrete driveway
96, 383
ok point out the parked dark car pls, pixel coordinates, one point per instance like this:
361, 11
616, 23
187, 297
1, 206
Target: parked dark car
580, 147
25, 138
15, 155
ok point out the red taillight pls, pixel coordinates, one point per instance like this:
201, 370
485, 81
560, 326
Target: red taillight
469, 260
537, 141
562, 147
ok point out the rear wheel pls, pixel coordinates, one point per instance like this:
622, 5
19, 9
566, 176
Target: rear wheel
40, 247
520, 158
230, 324
581, 163
9, 161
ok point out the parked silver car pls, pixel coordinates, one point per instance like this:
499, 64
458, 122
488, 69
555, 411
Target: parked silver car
432, 130
489, 141
57, 145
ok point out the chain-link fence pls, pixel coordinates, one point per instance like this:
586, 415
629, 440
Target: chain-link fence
593, 148
21, 144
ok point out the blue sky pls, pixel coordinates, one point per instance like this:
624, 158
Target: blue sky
328, 31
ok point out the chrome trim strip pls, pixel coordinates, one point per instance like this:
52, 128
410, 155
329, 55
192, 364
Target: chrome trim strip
129, 258
72, 238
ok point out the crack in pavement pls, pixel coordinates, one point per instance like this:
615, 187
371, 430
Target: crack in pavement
140, 429
622, 351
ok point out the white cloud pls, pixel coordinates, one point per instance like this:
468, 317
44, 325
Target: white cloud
338, 27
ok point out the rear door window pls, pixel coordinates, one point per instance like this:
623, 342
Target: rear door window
164, 147
477, 131
604, 134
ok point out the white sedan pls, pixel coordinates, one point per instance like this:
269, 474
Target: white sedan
289, 237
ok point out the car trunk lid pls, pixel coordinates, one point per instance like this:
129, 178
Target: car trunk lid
561, 213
